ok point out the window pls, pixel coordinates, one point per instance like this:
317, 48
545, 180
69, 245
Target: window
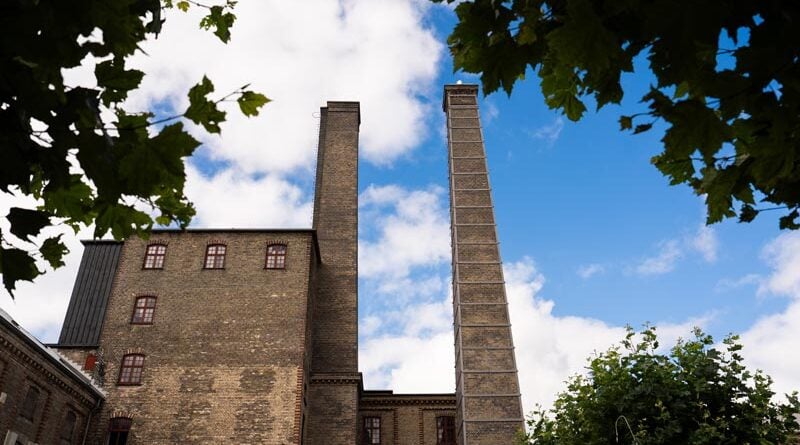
154, 256
276, 256
68, 428
445, 430
130, 373
143, 310
90, 363
29, 404
372, 430
118, 430
215, 256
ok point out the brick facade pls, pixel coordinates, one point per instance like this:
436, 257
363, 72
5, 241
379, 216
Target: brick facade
487, 388
247, 354
63, 391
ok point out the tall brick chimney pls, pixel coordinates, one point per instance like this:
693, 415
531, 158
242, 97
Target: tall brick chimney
488, 404
334, 378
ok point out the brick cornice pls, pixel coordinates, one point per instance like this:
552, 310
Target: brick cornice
32, 363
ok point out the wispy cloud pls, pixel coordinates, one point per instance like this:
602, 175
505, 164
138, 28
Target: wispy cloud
550, 132
705, 242
669, 253
727, 284
589, 270
489, 112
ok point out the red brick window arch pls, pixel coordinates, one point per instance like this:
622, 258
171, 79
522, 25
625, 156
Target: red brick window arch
144, 308
154, 256
215, 256
130, 372
118, 430
276, 256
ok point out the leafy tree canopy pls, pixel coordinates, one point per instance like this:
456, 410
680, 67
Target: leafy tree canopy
696, 394
731, 110
58, 143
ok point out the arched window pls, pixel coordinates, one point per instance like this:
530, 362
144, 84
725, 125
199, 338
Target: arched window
154, 256
118, 430
30, 403
445, 430
143, 310
372, 430
215, 256
130, 372
68, 428
276, 256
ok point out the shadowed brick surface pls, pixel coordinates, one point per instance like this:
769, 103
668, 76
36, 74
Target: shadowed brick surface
334, 382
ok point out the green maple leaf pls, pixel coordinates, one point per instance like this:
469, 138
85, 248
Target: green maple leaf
250, 102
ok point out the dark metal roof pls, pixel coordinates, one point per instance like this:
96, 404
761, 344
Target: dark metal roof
87, 306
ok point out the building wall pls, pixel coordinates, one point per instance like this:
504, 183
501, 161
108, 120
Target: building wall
335, 381
226, 348
406, 419
487, 387
23, 366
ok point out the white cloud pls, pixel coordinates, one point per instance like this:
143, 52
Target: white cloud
589, 270
40, 306
550, 132
549, 348
771, 343
664, 261
706, 243
377, 52
783, 254
233, 198
413, 232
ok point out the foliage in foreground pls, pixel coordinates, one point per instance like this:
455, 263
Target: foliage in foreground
57, 143
696, 394
727, 82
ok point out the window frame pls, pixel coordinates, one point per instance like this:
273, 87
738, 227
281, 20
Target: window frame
119, 425
278, 257
129, 381
442, 430
62, 438
156, 256
215, 255
29, 407
136, 307
368, 429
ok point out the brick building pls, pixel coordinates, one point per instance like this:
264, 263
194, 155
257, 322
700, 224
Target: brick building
44, 399
250, 336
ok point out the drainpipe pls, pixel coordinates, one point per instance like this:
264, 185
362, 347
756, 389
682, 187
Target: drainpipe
89, 420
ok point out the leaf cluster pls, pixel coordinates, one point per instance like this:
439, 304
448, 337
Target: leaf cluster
695, 394
732, 114
76, 150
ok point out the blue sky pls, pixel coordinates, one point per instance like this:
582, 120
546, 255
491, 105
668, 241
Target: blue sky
592, 236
